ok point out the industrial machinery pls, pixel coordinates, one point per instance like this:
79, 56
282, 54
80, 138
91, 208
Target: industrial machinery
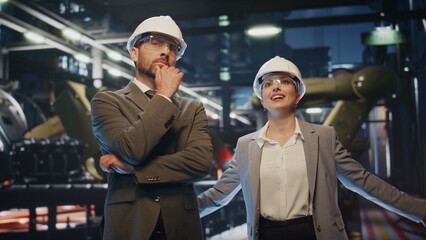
50, 163
356, 93
13, 123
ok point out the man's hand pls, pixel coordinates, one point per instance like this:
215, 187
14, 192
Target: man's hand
167, 80
111, 163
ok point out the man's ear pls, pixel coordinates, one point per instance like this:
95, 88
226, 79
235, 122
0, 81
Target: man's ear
134, 54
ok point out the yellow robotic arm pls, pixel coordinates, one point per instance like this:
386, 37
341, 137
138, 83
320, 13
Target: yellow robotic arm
356, 93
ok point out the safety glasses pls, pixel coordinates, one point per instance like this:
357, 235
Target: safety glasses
157, 42
268, 82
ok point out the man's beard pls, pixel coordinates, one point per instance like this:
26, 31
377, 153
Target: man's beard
146, 72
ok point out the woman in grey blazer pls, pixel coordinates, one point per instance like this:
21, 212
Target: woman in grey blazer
288, 170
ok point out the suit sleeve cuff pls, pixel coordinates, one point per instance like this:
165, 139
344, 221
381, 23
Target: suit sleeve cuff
164, 97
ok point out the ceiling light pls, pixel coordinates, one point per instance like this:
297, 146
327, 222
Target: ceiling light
223, 21
214, 116
34, 37
82, 58
97, 83
72, 34
114, 72
225, 76
115, 56
204, 100
263, 31
313, 110
383, 36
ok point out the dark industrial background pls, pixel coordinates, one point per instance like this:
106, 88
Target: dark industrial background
48, 155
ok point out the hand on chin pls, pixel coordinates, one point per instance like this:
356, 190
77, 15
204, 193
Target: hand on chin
160, 64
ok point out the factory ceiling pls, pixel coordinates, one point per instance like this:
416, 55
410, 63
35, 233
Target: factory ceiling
215, 50
132, 11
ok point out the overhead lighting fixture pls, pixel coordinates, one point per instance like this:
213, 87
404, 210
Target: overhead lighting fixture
223, 21
82, 58
214, 116
34, 37
204, 100
313, 110
224, 74
263, 31
114, 72
383, 36
71, 33
115, 56
97, 83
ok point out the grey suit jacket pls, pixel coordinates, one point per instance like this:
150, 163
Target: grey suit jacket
327, 160
170, 147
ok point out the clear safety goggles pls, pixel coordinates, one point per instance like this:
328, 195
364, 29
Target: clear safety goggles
157, 42
281, 81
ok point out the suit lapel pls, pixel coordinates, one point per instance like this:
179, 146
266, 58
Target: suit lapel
255, 154
310, 147
134, 94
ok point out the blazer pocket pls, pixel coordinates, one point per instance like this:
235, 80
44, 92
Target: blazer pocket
120, 196
339, 222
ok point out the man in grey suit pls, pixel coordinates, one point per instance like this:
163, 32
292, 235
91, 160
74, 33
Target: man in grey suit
288, 170
162, 140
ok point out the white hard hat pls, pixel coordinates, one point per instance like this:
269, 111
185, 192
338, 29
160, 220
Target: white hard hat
276, 65
160, 24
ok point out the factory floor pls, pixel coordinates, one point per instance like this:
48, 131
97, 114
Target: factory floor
372, 223
367, 221
378, 223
